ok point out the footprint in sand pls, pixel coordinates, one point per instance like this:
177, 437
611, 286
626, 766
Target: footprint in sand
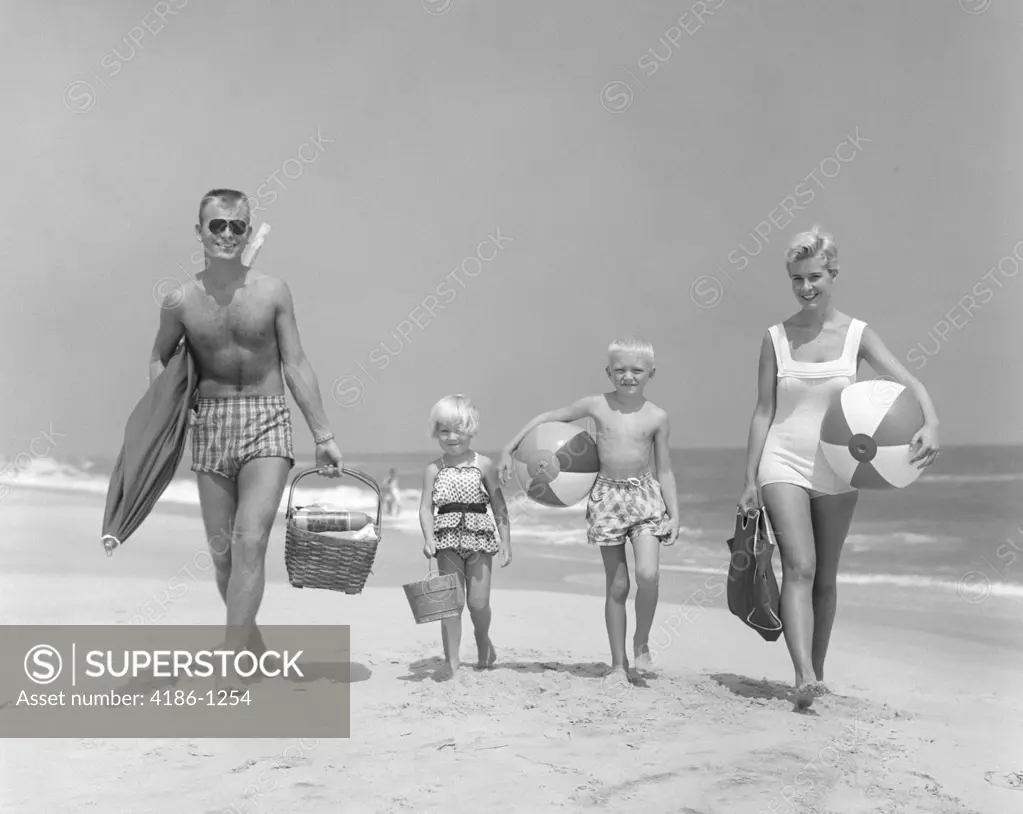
279, 762
1005, 780
248, 764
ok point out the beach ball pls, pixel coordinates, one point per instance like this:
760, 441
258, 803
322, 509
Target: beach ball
556, 464
866, 432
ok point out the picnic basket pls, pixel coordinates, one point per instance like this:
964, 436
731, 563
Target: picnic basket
327, 561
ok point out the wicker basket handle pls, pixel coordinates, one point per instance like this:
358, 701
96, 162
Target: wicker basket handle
353, 473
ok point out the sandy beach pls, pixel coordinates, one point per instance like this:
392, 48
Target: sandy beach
919, 721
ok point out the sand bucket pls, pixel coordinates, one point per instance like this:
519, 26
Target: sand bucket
437, 597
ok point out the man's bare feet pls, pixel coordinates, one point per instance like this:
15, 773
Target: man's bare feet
487, 657
266, 666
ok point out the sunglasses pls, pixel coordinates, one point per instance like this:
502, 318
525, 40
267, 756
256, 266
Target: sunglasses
218, 225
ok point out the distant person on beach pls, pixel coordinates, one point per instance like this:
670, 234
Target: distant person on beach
804, 362
392, 495
457, 489
240, 326
631, 499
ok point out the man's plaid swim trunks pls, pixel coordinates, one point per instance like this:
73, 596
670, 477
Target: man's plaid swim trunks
620, 509
229, 432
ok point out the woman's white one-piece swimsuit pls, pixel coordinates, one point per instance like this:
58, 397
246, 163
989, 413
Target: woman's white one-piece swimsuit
803, 394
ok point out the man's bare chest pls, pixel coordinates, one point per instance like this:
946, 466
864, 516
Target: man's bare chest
238, 320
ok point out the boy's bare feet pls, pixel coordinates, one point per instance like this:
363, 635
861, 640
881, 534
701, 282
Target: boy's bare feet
642, 653
616, 682
487, 657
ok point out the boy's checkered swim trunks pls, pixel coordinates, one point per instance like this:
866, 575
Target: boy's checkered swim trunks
620, 509
229, 432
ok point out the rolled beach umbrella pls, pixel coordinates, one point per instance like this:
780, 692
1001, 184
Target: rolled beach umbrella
154, 441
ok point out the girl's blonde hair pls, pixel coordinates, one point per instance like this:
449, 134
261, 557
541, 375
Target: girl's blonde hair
456, 411
813, 244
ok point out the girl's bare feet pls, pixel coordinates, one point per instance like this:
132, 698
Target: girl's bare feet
447, 672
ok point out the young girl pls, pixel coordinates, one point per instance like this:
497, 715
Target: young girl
459, 532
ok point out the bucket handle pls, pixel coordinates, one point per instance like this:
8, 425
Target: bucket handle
352, 473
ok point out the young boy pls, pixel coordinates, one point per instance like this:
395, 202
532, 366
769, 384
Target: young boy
627, 500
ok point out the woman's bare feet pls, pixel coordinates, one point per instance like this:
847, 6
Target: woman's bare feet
807, 692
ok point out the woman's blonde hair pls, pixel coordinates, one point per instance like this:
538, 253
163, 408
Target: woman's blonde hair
813, 244
456, 411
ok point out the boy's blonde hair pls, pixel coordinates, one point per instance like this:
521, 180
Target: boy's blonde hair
631, 344
812, 244
456, 411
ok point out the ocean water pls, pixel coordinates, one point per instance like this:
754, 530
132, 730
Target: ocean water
957, 529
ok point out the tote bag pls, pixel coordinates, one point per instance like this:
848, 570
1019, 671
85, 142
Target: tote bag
753, 593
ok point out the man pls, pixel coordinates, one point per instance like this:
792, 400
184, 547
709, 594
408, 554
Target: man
241, 330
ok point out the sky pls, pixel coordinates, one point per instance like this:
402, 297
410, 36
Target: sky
476, 197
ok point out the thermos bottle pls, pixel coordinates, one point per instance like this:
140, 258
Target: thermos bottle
320, 522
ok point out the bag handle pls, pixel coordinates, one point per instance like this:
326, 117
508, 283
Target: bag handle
748, 517
353, 473
774, 617
769, 540
769, 529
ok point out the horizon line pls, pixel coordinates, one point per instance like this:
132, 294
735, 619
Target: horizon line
363, 453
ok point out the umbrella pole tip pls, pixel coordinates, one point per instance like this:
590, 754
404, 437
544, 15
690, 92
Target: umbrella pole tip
109, 544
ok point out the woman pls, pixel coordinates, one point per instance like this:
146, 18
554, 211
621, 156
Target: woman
804, 362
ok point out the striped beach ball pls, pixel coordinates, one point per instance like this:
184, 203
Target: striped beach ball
866, 434
556, 464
